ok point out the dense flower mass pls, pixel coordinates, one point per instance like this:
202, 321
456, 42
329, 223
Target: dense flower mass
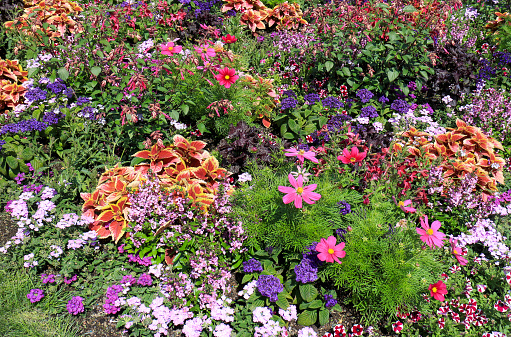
252, 266
269, 286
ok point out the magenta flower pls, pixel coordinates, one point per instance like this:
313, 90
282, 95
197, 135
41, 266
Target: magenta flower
330, 252
299, 192
431, 236
456, 251
352, 157
206, 50
438, 291
301, 155
404, 205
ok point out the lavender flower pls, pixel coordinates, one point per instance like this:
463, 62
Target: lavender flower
252, 266
332, 103
330, 301
269, 286
35, 295
311, 98
288, 103
369, 111
48, 278
306, 271
75, 305
400, 106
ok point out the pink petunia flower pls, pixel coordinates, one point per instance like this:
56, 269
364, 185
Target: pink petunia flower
226, 77
353, 156
438, 290
431, 236
397, 326
170, 48
329, 251
501, 306
299, 192
456, 251
301, 155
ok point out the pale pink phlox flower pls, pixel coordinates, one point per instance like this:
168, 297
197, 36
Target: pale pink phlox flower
430, 235
301, 155
329, 251
299, 192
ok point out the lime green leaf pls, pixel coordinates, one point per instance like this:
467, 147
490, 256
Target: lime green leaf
409, 9
308, 317
329, 65
308, 292
63, 73
12, 162
315, 304
95, 71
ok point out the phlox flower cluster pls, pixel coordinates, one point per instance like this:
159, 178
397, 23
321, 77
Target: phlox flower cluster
289, 314
193, 327
220, 310
261, 315
307, 332
35, 295
30, 262
248, 290
75, 305
419, 117
112, 296
47, 278
484, 231
270, 329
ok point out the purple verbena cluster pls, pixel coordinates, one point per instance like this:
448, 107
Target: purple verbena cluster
75, 305
112, 295
344, 207
269, 286
35, 295
252, 266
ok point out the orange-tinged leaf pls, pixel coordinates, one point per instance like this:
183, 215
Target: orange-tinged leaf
266, 123
106, 216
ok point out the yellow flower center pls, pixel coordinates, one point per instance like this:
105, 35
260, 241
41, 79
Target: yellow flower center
353, 159
227, 77
455, 252
434, 289
301, 152
330, 251
170, 48
430, 231
299, 190
401, 204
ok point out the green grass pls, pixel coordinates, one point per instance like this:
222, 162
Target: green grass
19, 317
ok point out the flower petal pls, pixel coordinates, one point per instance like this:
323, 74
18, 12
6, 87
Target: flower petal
288, 198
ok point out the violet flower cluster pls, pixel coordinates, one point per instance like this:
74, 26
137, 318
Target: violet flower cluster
75, 305
35, 295
269, 286
252, 266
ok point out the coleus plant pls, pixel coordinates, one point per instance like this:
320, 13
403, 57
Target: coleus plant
184, 168
464, 150
11, 78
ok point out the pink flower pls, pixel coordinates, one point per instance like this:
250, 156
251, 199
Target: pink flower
298, 192
329, 252
438, 290
353, 156
301, 155
206, 50
456, 251
229, 38
226, 77
170, 49
397, 327
404, 206
431, 236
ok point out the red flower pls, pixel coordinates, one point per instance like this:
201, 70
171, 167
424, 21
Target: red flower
438, 290
500, 306
226, 77
357, 330
229, 38
397, 327
441, 322
353, 156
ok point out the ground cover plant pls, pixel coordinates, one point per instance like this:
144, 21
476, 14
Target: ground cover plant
255, 168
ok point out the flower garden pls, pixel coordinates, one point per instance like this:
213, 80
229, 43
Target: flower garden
255, 168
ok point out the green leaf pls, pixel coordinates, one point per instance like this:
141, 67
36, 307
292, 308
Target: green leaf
308, 292
283, 129
346, 71
185, 108
95, 71
392, 74
201, 127
324, 315
282, 301
246, 278
409, 9
63, 73
293, 126
423, 73
307, 318
315, 304
12, 162
288, 135
329, 65
27, 154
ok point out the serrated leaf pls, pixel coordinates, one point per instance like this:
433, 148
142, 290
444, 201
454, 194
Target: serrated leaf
316, 304
282, 301
27, 154
293, 126
307, 318
346, 71
63, 73
324, 315
95, 71
308, 292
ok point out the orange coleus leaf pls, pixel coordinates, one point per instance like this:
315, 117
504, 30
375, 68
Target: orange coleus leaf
210, 168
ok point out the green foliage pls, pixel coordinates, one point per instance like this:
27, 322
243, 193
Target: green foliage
269, 222
384, 266
15, 153
300, 122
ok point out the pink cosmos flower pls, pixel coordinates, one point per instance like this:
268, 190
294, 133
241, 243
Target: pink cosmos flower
456, 251
329, 252
206, 50
226, 77
353, 156
229, 38
301, 155
170, 49
299, 192
404, 205
438, 290
431, 236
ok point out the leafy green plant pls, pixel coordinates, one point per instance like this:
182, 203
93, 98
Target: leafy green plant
15, 153
299, 122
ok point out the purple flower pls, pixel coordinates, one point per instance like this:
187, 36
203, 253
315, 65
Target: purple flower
306, 272
111, 309
82, 100
330, 301
71, 280
364, 95
128, 280
145, 280
75, 305
269, 286
35, 295
35, 94
383, 100
311, 98
57, 87
252, 266
400, 106
288, 103
369, 111
332, 103
344, 207
47, 278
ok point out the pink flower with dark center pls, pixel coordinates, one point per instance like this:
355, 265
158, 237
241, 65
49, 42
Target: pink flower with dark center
397, 327
456, 251
357, 330
329, 251
170, 48
431, 236
500, 306
353, 156
438, 290
226, 77
299, 192
301, 155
